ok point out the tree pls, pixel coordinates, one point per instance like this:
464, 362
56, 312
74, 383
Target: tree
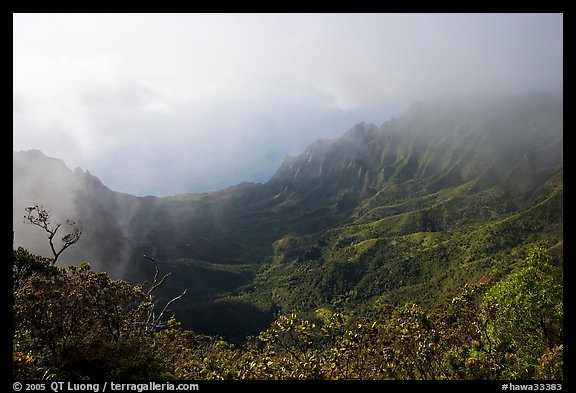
77, 323
525, 311
39, 216
26, 264
466, 343
153, 319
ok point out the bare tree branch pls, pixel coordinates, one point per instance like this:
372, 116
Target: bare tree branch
39, 216
157, 322
156, 283
154, 321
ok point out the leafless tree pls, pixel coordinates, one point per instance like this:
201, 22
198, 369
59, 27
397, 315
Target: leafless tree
153, 319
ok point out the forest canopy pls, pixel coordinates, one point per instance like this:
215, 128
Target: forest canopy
75, 323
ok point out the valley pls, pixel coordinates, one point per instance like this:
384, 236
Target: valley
411, 211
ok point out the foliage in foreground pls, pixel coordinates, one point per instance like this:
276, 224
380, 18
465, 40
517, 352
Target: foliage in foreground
78, 324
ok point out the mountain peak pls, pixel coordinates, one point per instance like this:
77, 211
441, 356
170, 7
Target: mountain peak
404, 212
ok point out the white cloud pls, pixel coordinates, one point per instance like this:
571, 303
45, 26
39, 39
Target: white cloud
154, 101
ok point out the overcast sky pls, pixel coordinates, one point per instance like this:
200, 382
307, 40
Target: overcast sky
159, 104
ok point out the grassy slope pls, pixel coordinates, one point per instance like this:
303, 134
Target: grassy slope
395, 259
408, 212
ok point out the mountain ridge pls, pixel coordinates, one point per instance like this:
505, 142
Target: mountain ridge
391, 213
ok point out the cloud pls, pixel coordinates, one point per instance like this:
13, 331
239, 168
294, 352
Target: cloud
166, 103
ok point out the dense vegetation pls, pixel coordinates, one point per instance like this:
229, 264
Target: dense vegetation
75, 323
429, 247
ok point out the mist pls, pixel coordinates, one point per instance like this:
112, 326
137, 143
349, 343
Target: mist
161, 104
